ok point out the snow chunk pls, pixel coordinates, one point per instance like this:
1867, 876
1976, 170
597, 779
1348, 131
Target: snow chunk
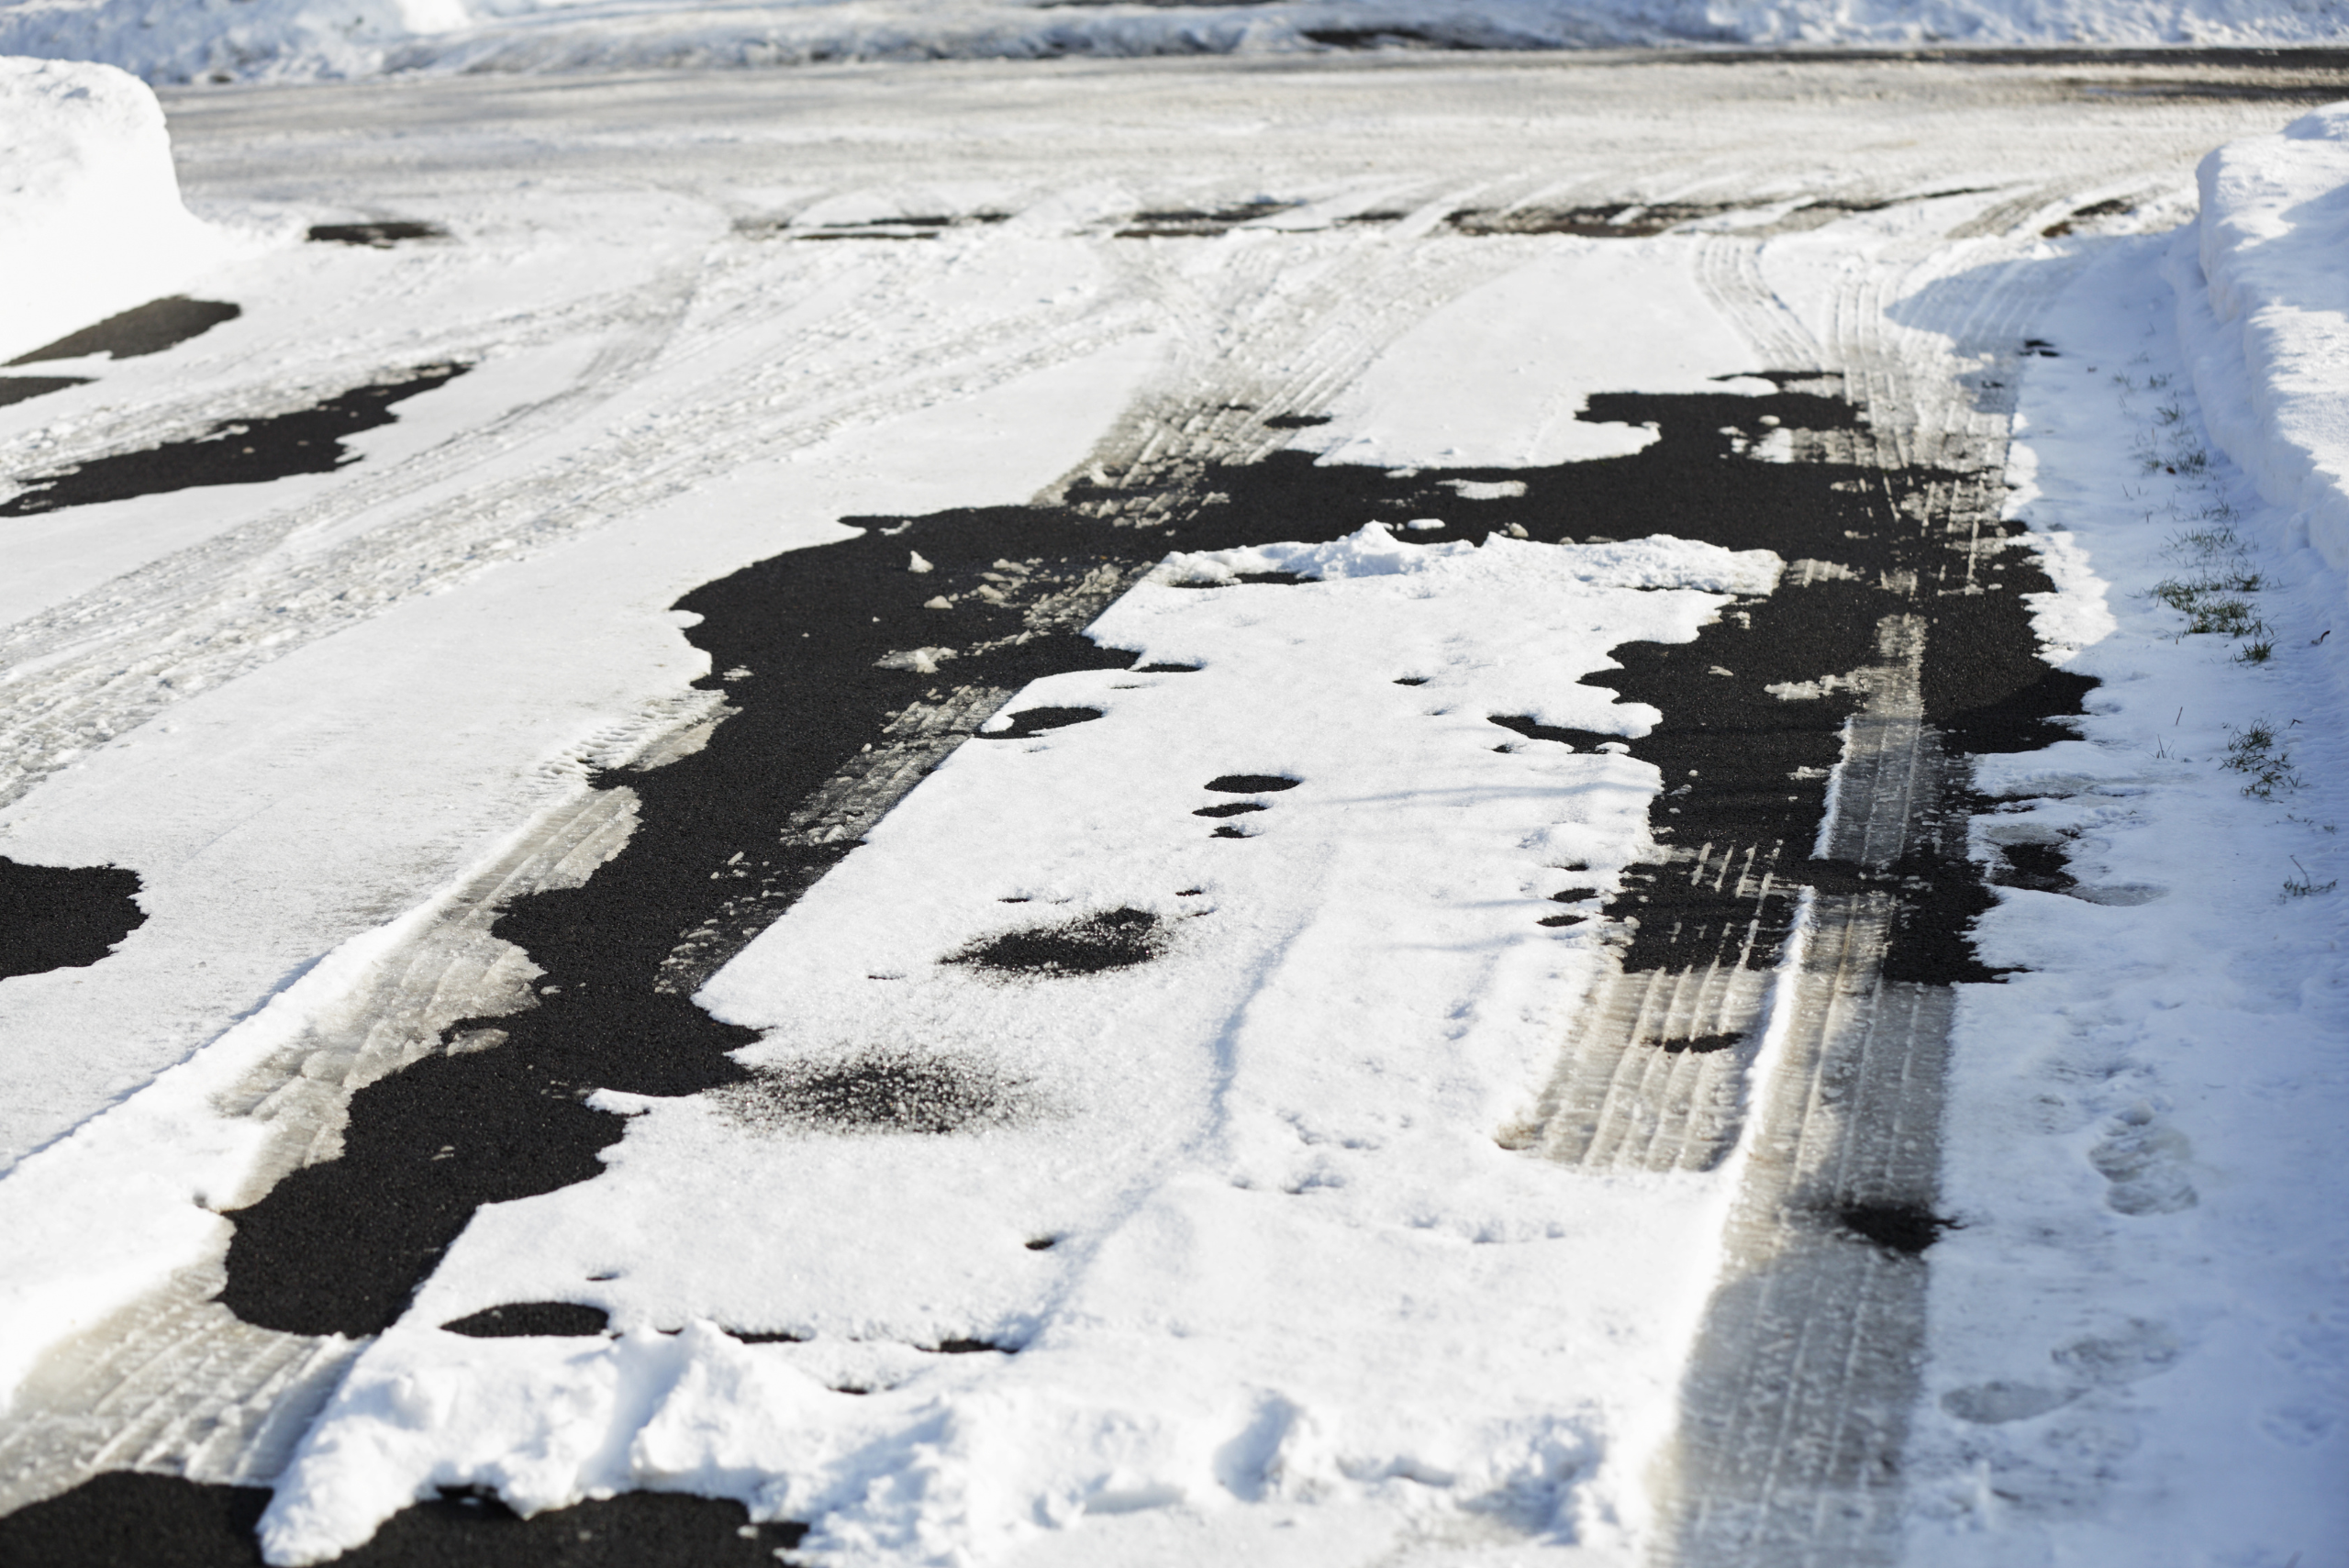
2076, 615
549, 1422
921, 661
1659, 560
1486, 490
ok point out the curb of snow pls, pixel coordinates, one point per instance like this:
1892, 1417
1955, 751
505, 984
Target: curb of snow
2263, 316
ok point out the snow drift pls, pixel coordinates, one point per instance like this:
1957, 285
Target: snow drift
2263, 317
90, 216
228, 40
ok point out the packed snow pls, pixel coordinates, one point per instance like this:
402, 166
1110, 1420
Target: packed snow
239, 41
1283, 1255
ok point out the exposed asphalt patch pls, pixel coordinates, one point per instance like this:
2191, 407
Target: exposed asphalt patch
813, 642
125, 1520
251, 451
1907, 1229
2094, 210
2042, 867
149, 329
532, 1319
1278, 579
929, 226
2242, 58
895, 227
1252, 783
1091, 944
1745, 768
1618, 220
1580, 739
880, 1092
1703, 1044
63, 917
1193, 223
1031, 721
376, 236
19, 388
1635, 220
2187, 90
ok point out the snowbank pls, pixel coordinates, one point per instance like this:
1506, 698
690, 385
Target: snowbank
2263, 317
90, 216
225, 40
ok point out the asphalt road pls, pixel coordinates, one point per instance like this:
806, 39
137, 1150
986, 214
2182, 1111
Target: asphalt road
651, 285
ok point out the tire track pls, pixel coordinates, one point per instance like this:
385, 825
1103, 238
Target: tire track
218, 611
1795, 1405
176, 1384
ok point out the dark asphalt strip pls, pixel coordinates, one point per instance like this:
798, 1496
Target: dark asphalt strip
810, 644
63, 917
376, 236
124, 1521
23, 388
1745, 770
234, 451
2238, 58
149, 329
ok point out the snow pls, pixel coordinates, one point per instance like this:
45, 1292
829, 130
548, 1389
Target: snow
268, 827
90, 216
1289, 1258
1297, 1301
223, 40
133, 1196
262, 823
2137, 1335
1659, 560
1555, 326
2263, 317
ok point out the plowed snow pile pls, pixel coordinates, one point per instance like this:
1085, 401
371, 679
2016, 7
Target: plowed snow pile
90, 214
226, 40
2263, 317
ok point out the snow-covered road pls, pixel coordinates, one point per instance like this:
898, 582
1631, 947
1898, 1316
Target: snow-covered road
1329, 1126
